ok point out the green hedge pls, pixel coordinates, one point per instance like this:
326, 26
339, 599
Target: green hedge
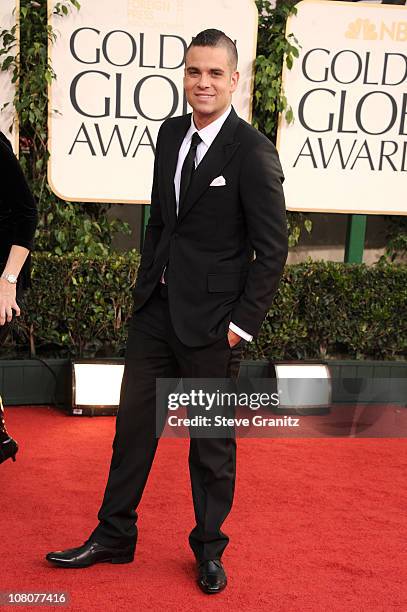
336, 310
80, 307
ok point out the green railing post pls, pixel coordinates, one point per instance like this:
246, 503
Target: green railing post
145, 215
355, 238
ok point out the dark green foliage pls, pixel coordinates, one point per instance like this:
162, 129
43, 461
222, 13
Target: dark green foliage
80, 306
272, 49
269, 100
397, 238
335, 310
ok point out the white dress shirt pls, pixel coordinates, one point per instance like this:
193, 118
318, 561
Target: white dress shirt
207, 135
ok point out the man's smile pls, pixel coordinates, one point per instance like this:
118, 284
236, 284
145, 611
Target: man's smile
205, 96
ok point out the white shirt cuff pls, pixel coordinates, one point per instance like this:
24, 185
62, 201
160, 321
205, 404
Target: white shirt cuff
240, 332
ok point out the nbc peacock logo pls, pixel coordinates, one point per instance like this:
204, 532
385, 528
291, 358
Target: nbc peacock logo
365, 29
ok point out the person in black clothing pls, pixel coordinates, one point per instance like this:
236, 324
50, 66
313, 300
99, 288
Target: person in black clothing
18, 221
216, 197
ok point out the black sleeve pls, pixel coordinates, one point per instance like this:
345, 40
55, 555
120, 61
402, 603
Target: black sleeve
155, 223
17, 197
263, 203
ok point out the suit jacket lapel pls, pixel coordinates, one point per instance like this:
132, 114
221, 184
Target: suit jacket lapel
171, 154
219, 154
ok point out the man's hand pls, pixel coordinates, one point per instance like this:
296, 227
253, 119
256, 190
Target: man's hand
7, 302
233, 338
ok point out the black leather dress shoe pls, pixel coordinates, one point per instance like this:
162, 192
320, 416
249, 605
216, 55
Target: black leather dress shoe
90, 553
211, 576
8, 448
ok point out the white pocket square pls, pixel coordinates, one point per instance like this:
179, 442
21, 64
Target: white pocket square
219, 181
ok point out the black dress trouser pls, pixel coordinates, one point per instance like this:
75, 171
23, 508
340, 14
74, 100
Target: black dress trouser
154, 351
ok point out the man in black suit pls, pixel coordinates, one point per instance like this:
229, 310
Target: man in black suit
216, 197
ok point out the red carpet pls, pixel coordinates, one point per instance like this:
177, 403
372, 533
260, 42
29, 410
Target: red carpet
318, 524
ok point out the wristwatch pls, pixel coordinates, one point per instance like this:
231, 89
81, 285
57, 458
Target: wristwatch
11, 278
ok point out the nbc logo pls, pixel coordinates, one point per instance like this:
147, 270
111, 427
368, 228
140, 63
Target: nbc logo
366, 30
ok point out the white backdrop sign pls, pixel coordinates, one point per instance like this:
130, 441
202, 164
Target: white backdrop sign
8, 16
347, 149
119, 68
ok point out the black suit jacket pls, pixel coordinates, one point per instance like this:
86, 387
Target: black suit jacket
212, 276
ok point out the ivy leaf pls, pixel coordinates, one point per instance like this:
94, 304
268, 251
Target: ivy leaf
289, 116
308, 225
7, 62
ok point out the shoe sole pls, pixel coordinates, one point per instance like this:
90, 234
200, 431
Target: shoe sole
209, 592
212, 592
114, 560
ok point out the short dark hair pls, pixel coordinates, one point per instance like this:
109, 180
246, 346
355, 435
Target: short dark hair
216, 38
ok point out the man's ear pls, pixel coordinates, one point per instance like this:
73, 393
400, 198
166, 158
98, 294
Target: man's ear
234, 81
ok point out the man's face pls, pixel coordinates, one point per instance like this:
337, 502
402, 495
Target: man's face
209, 82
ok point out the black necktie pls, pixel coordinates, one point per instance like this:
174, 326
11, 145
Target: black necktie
188, 168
